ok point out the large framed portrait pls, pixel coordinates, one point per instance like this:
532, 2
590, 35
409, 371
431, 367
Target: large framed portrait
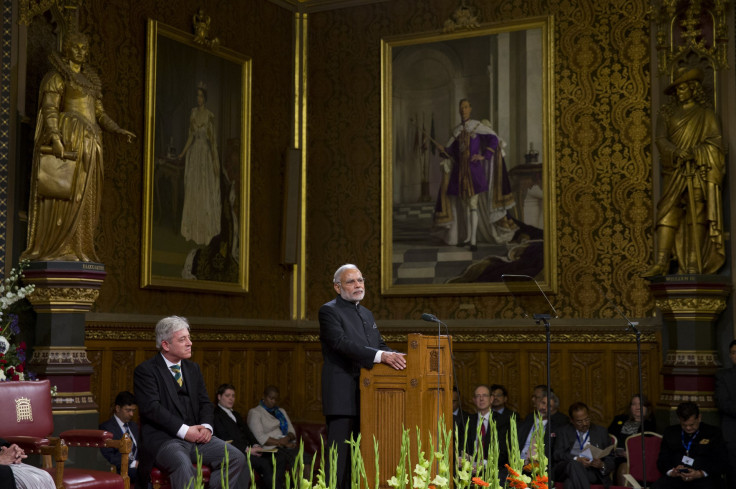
197, 164
468, 161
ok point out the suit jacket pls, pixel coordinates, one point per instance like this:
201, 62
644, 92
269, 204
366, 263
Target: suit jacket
226, 429
567, 438
349, 338
160, 412
503, 423
707, 450
525, 427
112, 454
726, 400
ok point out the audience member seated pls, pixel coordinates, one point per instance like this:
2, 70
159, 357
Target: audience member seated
527, 428
627, 424
119, 423
231, 427
499, 398
572, 459
272, 427
480, 421
177, 414
558, 419
15, 474
692, 453
459, 418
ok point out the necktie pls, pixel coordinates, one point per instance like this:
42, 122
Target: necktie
483, 428
177, 374
134, 449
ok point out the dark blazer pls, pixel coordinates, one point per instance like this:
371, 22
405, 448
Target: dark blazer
502, 428
706, 450
226, 429
349, 338
525, 427
112, 454
160, 413
7, 481
567, 437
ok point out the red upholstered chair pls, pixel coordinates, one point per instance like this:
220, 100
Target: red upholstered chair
652, 442
160, 479
29, 422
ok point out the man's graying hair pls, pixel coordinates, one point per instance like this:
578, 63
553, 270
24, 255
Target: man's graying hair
339, 271
166, 328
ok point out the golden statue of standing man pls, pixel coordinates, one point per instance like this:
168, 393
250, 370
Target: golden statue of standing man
67, 176
689, 223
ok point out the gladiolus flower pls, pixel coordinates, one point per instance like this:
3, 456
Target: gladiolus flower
480, 482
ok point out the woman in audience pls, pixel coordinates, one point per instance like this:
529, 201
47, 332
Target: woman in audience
627, 424
272, 428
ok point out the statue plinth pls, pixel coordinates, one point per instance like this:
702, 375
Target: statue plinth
690, 306
65, 291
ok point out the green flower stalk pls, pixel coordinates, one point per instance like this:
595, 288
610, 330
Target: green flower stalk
539, 455
401, 479
512, 442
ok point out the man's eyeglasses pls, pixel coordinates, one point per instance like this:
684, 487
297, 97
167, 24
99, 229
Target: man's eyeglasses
353, 281
481, 396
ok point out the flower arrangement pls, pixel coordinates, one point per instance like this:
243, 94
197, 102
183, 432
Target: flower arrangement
12, 353
470, 471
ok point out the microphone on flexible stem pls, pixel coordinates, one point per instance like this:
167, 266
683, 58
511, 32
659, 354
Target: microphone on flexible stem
433, 319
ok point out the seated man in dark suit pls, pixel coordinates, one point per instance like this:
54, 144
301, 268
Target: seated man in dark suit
459, 418
480, 423
692, 454
177, 414
527, 428
119, 423
571, 458
230, 426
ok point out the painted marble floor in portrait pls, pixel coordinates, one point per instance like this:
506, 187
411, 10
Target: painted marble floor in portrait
421, 258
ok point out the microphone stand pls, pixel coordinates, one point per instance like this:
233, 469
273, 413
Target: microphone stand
544, 319
433, 318
633, 325
540, 319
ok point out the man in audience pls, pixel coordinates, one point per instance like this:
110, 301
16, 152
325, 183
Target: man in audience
459, 417
121, 422
230, 426
558, 418
573, 460
691, 455
177, 414
499, 397
480, 422
726, 402
527, 427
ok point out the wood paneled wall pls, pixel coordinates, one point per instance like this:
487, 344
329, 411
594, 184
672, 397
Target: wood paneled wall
596, 367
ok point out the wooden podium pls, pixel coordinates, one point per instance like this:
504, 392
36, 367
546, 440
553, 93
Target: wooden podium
415, 397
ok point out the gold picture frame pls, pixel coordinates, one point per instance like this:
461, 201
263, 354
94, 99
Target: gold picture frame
197, 164
504, 71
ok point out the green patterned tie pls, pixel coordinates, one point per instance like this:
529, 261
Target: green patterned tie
177, 374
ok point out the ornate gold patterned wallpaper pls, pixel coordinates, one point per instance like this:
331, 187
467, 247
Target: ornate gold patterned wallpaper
117, 32
602, 135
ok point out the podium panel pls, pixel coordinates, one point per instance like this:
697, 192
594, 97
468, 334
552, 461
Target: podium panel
416, 397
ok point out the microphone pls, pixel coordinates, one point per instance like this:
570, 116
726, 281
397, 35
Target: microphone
430, 317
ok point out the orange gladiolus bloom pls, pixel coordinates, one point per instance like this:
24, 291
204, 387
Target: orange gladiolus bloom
480, 482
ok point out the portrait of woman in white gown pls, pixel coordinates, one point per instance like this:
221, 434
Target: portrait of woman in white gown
200, 220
